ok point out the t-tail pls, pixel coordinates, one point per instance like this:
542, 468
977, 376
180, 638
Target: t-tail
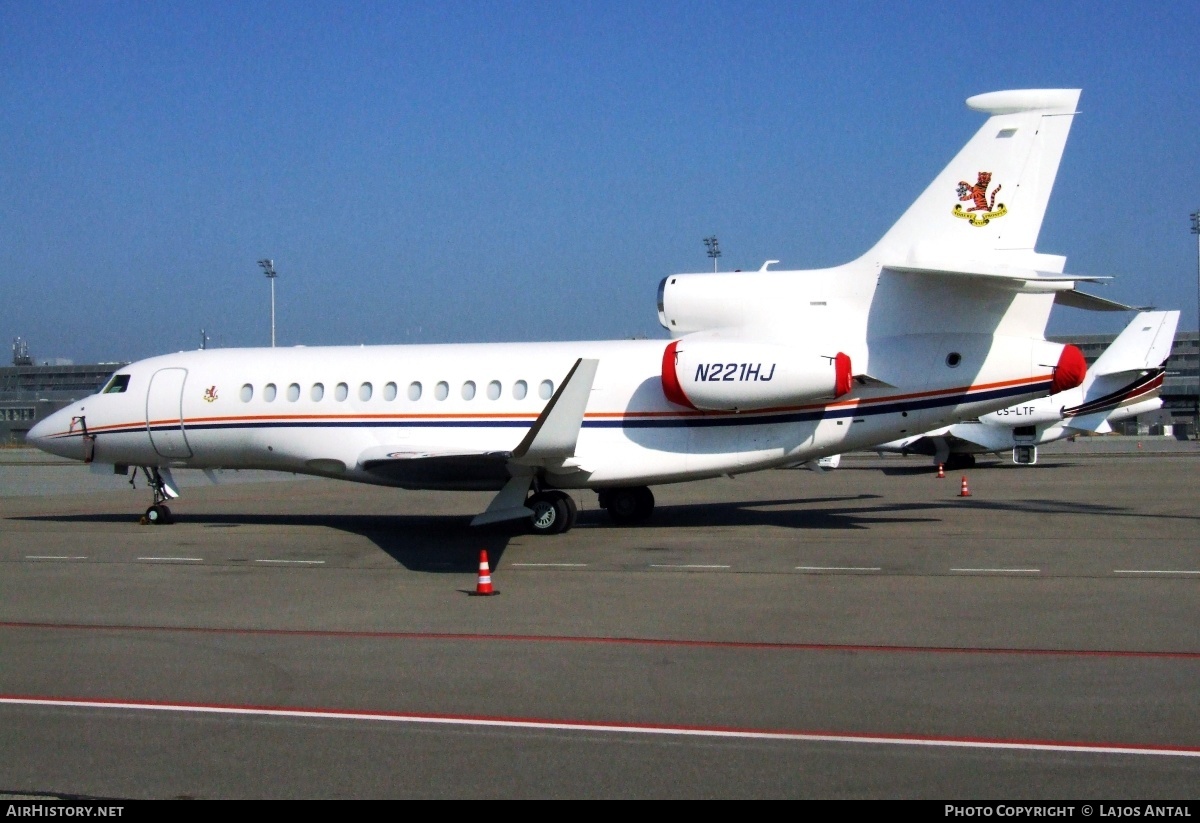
1127, 379
987, 205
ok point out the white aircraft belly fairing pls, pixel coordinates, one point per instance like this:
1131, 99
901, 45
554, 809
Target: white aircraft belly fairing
943, 320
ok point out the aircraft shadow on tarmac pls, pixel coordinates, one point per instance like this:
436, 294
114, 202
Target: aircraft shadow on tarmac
449, 544
929, 469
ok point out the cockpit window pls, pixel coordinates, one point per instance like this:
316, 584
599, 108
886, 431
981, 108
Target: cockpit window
118, 384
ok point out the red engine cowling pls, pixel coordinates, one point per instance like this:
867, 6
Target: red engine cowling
739, 375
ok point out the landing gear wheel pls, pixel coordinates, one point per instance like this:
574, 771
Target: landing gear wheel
553, 512
632, 505
158, 515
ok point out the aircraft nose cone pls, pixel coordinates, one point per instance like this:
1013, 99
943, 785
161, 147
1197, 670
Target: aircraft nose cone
52, 434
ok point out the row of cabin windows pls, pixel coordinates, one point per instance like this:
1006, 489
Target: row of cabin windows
390, 391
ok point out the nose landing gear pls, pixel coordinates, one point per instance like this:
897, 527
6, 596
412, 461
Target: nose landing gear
163, 489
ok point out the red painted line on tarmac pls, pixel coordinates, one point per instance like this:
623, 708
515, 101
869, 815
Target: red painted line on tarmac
1079, 747
631, 641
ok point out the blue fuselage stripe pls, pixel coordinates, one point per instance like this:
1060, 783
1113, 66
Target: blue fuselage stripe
690, 421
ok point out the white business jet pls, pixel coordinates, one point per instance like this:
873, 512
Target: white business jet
942, 320
1125, 381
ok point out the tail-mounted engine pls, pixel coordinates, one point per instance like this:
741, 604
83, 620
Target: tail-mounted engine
716, 374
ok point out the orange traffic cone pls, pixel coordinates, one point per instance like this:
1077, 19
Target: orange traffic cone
964, 491
484, 586
941, 470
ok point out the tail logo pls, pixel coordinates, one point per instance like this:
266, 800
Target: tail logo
985, 207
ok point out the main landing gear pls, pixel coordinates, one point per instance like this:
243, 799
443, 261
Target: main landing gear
158, 514
628, 505
960, 461
554, 511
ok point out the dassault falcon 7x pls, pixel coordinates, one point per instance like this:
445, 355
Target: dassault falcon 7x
1125, 381
942, 320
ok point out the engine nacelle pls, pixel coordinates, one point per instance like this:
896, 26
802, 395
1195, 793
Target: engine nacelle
716, 374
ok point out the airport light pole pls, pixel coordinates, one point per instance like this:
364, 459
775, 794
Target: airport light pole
714, 251
1196, 231
269, 267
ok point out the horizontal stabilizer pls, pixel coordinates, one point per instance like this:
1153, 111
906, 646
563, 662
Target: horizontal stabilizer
1010, 277
1095, 423
1082, 300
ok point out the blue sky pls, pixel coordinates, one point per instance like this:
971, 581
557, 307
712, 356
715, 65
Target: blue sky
477, 171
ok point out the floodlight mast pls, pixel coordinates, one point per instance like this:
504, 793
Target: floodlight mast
269, 267
1196, 231
714, 251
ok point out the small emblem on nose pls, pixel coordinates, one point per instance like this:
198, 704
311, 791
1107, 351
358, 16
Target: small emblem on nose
210, 394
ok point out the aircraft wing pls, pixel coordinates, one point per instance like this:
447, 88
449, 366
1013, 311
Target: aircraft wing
415, 468
549, 443
960, 438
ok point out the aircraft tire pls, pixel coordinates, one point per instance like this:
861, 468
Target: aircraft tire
572, 511
630, 505
553, 512
158, 515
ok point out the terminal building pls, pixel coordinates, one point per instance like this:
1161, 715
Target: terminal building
30, 392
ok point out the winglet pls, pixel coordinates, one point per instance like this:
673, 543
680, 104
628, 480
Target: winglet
556, 431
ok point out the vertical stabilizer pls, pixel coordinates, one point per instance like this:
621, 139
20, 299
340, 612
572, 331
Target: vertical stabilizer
1144, 344
988, 203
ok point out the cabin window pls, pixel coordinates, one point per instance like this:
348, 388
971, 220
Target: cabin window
294, 392
520, 389
414, 390
389, 391
269, 392
494, 390
953, 359
118, 384
364, 391
546, 389
317, 391
247, 393
341, 391
442, 390
468, 390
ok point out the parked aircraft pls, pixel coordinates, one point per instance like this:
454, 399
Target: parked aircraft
1125, 381
942, 320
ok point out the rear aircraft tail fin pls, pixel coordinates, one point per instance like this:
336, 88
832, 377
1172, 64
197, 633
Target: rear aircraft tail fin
1144, 344
987, 205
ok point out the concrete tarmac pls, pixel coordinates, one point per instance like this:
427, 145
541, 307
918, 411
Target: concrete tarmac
866, 632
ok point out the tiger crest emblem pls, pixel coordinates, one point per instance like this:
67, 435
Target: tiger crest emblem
984, 207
